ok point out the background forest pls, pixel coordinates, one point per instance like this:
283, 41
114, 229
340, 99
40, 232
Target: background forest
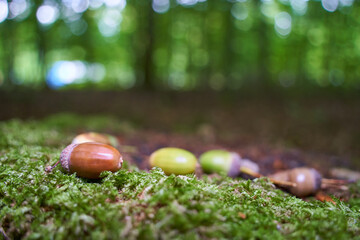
180, 45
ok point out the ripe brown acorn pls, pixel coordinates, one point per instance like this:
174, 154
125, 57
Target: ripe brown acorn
308, 180
88, 160
96, 137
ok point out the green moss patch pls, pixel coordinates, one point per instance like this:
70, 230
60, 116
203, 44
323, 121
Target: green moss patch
146, 205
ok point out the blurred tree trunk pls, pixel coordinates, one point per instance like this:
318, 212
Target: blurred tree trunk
41, 43
204, 75
89, 45
228, 39
8, 52
300, 52
263, 43
210, 48
149, 51
143, 44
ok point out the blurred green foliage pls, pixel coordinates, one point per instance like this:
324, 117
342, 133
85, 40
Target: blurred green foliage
180, 45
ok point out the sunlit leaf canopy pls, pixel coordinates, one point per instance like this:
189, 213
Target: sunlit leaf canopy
179, 45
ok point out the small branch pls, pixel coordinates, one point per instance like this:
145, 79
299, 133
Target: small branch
335, 181
334, 186
4, 234
274, 181
50, 168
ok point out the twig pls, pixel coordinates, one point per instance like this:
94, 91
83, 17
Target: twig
50, 168
258, 175
4, 234
340, 187
335, 181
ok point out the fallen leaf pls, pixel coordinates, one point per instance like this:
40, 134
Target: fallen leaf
242, 215
324, 197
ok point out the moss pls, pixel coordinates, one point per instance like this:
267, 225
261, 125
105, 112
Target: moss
147, 205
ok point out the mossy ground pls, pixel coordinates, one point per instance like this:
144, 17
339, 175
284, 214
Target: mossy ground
135, 204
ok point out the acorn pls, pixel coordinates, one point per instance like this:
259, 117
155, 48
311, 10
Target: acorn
96, 137
89, 159
222, 161
230, 163
173, 161
308, 180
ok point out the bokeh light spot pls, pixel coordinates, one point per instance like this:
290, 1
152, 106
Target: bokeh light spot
95, 4
187, 2
346, 3
78, 27
96, 72
161, 6
65, 72
283, 24
239, 11
177, 80
109, 22
330, 5
4, 10
69, 15
79, 6
299, 6
269, 9
47, 14
17, 7
115, 3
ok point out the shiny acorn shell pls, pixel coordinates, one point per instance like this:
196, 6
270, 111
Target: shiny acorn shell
220, 161
89, 159
308, 180
173, 161
96, 137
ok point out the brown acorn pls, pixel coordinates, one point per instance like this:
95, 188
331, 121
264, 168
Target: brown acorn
96, 137
88, 160
230, 163
308, 180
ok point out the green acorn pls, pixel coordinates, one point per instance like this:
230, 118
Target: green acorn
173, 161
230, 163
222, 161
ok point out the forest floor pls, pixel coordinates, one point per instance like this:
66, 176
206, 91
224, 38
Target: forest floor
278, 133
318, 130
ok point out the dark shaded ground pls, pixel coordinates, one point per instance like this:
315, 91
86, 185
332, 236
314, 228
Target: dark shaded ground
277, 131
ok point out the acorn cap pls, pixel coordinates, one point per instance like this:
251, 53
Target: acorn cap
65, 156
249, 164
